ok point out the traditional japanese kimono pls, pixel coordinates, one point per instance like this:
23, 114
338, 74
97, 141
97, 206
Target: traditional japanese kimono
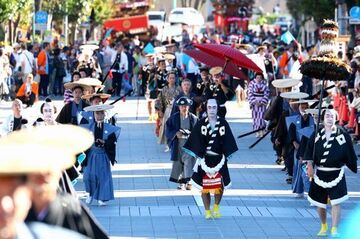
330, 159
164, 103
11, 124
296, 123
157, 82
183, 163
221, 99
145, 73
87, 117
212, 147
258, 96
69, 113
273, 115
192, 108
68, 212
97, 173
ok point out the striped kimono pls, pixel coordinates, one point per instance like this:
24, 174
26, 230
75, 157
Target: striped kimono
258, 97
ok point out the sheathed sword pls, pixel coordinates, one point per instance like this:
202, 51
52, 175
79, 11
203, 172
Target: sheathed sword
122, 97
257, 141
251, 132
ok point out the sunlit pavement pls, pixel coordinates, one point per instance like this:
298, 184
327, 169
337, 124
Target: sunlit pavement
259, 205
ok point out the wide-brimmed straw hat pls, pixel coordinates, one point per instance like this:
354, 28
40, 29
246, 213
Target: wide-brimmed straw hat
285, 83
94, 108
100, 95
294, 95
303, 102
72, 85
42, 149
216, 70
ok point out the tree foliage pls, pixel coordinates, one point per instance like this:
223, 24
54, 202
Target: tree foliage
317, 9
103, 10
12, 9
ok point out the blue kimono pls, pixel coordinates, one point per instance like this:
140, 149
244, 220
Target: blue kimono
297, 128
173, 126
97, 173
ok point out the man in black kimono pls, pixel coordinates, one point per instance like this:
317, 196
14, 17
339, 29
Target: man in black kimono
212, 143
221, 91
178, 129
69, 113
333, 150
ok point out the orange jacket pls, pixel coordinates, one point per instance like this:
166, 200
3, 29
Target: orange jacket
34, 89
42, 62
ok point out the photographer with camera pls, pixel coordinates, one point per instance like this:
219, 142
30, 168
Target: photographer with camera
120, 68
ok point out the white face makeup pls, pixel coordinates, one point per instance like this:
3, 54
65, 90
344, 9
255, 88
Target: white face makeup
212, 108
329, 118
48, 112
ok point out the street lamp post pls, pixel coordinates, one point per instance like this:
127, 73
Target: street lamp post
33, 23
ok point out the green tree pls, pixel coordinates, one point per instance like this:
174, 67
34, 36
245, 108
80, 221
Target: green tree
103, 10
12, 12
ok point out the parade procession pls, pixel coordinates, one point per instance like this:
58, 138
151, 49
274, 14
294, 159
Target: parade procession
179, 119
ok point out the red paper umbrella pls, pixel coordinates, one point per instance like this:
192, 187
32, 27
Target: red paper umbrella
229, 54
213, 61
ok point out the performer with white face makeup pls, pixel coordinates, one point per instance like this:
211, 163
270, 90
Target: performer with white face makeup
333, 150
212, 143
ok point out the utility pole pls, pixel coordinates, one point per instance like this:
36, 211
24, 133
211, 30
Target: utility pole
66, 25
33, 23
342, 17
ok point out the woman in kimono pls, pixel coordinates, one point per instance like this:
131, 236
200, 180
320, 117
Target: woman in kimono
178, 129
97, 173
333, 150
69, 113
164, 104
212, 143
258, 96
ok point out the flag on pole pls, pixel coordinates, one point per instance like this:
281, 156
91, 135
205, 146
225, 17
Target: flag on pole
287, 37
149, 48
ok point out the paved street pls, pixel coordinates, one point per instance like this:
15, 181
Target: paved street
259, 204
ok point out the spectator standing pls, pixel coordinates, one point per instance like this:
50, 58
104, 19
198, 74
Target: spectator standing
121, 66
43, 69
27, 61
60, 72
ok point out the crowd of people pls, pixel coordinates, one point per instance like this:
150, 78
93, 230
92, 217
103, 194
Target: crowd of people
187, 102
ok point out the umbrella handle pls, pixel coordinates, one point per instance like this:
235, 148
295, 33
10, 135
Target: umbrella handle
226, 62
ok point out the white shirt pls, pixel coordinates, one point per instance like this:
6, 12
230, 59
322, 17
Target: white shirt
27, 60
124, 64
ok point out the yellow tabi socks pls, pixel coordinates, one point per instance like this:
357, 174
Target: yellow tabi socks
208, 214
334, 232
323, 230
216, 211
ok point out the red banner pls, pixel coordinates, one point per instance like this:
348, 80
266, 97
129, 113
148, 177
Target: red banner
127, 23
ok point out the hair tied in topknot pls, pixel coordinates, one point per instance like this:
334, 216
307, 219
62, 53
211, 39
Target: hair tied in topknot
48, 100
